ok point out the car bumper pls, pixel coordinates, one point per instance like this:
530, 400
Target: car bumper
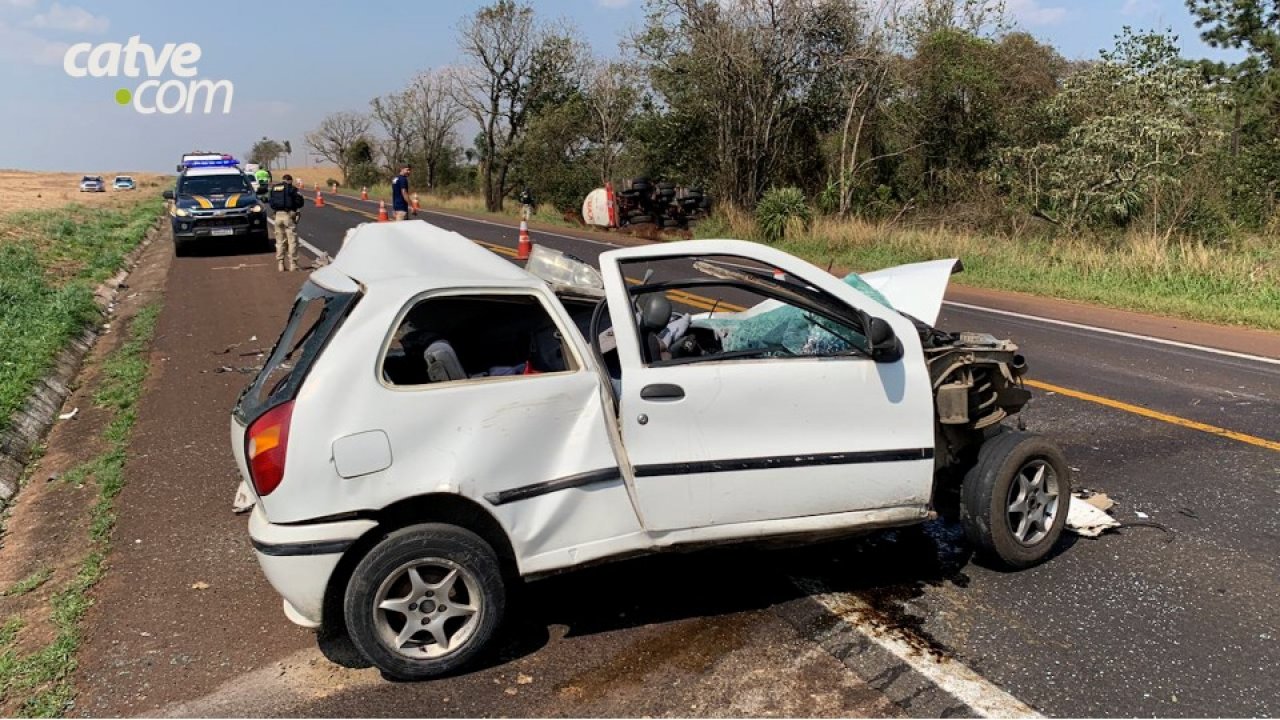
298, 560
188, 229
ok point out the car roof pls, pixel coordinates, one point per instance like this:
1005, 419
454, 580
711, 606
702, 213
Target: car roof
382, 252
208, 171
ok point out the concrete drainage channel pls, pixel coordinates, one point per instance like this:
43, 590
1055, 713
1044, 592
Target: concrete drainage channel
29, 425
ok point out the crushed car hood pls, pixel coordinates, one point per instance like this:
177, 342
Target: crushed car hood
916, 289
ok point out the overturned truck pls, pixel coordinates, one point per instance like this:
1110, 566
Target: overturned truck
642, 202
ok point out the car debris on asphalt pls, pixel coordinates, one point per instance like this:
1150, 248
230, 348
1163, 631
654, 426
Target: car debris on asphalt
1089, 517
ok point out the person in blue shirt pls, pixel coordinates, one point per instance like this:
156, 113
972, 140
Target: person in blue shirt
400, 205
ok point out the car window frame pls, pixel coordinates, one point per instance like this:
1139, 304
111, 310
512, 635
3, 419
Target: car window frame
662, 286
579, 365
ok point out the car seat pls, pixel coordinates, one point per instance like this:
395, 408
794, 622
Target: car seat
442, 362
655, 313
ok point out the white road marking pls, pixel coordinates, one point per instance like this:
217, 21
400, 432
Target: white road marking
320, 254
1117, 333
982, 696
967, 306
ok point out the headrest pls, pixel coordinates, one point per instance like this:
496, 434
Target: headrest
655, 311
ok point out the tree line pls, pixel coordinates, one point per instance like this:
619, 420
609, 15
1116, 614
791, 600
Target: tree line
929, 110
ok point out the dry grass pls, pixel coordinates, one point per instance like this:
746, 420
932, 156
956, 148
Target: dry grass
310, 175
1235, 283
22, 190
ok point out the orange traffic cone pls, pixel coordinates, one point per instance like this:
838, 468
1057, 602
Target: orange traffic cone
319, 198
364, 193
382, 211
416, 206
524, 247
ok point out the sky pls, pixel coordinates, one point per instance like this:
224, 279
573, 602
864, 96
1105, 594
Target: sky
291, 63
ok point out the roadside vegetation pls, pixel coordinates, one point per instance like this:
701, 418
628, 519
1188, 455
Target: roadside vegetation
41, 676
869, 131
50, 263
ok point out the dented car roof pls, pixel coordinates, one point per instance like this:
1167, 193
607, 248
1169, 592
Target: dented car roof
378, 252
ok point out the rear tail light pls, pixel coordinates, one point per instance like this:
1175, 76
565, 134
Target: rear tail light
267, 441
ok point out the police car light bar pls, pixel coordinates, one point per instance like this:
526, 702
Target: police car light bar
210, 160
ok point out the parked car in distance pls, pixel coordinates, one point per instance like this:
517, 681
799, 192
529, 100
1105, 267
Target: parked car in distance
436, 423
123, 182
92, 183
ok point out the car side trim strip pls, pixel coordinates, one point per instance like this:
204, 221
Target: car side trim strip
524, 492
783, 461
322, 547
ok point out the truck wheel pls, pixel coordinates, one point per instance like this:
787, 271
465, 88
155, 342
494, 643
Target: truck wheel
181, 247
639, 220
425, 601
1014, 500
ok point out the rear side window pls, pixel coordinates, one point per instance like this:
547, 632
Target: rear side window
470, 337
317, 314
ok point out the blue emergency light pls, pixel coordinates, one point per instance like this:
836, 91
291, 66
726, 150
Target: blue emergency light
220, 162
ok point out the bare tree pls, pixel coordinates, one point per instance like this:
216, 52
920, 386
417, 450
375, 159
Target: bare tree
433, 115
335, 136
394, 112
513, 64
612, 94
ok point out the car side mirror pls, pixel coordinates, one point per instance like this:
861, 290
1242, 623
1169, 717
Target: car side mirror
881, 340
167, 194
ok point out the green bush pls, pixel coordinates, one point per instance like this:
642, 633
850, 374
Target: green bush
782, 212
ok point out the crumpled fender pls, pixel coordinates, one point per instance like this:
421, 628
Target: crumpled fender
916, 289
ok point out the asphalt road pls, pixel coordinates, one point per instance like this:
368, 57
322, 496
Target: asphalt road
1171, 616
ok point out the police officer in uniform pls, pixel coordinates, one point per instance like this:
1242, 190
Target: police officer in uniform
286, 202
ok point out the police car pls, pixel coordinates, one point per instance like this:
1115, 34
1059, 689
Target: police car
213, 199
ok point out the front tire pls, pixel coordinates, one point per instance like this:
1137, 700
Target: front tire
181, 247
425, 601
1014, 500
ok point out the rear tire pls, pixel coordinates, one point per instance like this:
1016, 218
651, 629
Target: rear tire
425, 601
1015, 498
639, 220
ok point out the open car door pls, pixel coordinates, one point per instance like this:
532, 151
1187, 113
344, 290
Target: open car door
789, 440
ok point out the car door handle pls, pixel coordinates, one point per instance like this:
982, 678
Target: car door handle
661, 391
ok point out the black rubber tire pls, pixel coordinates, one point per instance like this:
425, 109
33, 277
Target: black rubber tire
181, 247
639, 220
437, 540
984, 492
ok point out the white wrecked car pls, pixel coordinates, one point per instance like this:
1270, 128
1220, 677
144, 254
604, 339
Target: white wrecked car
436, 423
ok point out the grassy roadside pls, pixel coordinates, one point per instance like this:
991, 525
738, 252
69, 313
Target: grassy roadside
466, 203
1235, 284
43, 676
50, 263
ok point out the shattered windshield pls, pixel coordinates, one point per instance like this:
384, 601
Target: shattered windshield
749, 311
800, 331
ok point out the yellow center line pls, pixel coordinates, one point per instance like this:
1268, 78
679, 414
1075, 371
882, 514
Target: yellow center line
1156, 415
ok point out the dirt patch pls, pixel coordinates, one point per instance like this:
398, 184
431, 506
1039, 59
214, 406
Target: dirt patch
22, 190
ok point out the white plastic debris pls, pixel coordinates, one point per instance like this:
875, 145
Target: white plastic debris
1141, 514
243, 501
69, 415
1086, 519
